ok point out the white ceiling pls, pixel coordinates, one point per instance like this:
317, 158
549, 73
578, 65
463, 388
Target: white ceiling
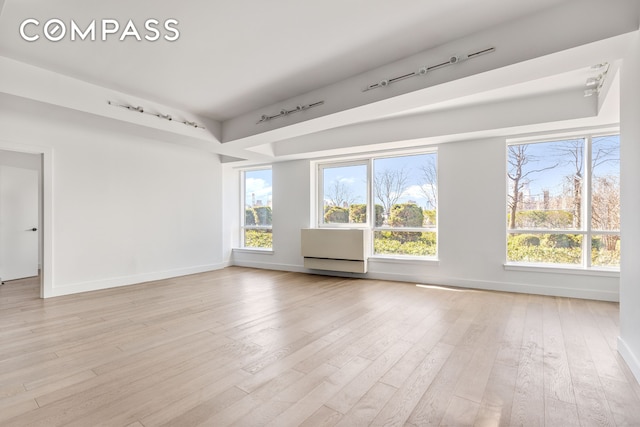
235, 56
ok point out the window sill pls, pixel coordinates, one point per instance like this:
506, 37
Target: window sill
563, 269
404, 260
263, 251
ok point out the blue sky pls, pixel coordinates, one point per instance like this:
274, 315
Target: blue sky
258, 182
548, 154
355, 177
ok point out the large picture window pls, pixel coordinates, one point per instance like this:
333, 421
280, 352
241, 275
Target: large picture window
406, 196
396, 197
564, 202
344, 194
257, 213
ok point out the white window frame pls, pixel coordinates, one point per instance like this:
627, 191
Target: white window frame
320, 193
374, 228
587, 231
370, 202
243, 208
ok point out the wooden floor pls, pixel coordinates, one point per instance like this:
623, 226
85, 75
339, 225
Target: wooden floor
253, 348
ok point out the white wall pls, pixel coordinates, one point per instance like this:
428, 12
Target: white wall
124, 208
291, 212
472, 240
629, 342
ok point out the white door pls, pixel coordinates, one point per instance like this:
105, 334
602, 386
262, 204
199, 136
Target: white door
18, 223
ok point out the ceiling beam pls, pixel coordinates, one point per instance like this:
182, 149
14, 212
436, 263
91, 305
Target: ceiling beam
572, 35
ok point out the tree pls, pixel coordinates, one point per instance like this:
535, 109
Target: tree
605, 195
389, 185
358, 213
572, 153
340, 194
263, 215
336, 214
249, 217
406, 215
605, 212
520, 175
429, 181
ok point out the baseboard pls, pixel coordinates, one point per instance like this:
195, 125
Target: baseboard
132, 280
630, 358
270, 266
594, 294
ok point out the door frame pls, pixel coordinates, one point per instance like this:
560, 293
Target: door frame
46, 210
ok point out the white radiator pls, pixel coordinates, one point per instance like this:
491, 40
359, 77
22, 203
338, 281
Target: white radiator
335, 249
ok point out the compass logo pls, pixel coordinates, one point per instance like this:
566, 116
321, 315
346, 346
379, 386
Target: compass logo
55, 30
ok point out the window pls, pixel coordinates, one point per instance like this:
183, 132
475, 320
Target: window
344, 194
564, 202
256, 209
403, 214
406, 196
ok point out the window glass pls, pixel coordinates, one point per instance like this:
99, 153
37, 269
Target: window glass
553, 188
605, 183
545, 185
257, 206
406, 197
344, 194
395, 197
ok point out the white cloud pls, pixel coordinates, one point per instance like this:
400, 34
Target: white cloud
350, 180
259, 187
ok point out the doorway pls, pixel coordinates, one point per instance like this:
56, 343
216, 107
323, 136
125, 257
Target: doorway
21, 219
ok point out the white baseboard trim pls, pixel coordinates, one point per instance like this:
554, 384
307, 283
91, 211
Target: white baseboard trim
133, 280
630, 358
270, 266
594, 294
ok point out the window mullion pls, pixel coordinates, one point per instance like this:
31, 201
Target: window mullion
371, 214
587, 190
243, 208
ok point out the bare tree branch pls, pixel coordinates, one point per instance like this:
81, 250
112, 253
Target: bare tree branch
518, 158
389, 186
429, 185
340, 194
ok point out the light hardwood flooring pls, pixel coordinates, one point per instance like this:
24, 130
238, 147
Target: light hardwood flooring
250, 347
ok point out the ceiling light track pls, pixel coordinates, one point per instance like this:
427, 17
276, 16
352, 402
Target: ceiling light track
594, 84
286, 112
159, 115
454, 59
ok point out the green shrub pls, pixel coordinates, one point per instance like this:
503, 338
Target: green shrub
263, 215
545, 248
429, 217
258, 239
379, 215
561, 240
547, 255
389, 243
543, 219
406, 215
524, 240
336, 214
358, 213
249, 217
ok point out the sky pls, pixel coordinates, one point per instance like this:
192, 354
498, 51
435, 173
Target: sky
355, 177
258, 182
543, 155
548, 154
